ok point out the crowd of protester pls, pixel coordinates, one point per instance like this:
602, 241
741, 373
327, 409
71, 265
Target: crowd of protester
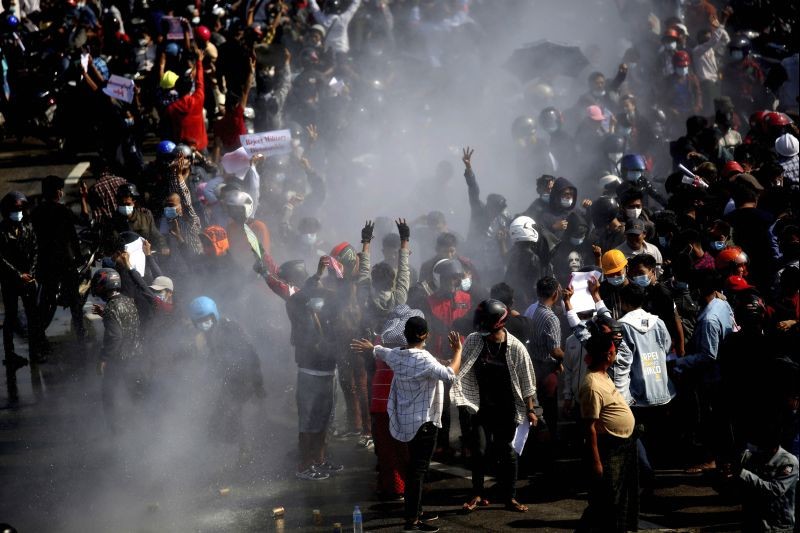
673, 189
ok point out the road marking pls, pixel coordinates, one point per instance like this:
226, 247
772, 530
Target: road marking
76, 173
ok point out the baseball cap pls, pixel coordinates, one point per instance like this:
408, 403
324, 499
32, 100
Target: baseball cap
595, 113
634, 226
162, 283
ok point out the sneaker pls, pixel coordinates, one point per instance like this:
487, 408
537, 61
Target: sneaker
327, 466
428, 517
366, 442
420, 526
312, 475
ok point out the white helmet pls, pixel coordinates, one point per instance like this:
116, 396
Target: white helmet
610, 180
786, 145
240, 199
522, 229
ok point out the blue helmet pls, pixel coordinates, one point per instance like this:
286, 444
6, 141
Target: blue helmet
633, 166
11, 22
165, 148
201, 307
172, 49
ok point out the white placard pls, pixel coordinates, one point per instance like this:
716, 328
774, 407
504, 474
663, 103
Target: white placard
521, 436
120, 88
582, 299
269, 143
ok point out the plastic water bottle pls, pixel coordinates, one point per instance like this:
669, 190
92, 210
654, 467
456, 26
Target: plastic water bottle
358, 521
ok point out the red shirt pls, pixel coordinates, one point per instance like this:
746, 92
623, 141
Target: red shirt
186, 115
229, 127
444, 311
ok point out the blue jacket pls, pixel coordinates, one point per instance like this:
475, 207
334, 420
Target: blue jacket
649, 340
715, 322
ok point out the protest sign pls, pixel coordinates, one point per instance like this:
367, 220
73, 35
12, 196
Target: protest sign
268, 143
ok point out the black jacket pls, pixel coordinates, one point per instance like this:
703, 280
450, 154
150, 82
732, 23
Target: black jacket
18, 250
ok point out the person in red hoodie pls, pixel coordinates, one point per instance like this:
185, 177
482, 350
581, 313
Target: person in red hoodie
449, 307
186, 113
392, 454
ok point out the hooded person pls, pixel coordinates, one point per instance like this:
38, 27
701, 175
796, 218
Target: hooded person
528, 259
574, 252
563, 198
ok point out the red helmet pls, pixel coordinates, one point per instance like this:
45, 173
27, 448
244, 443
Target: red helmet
671, 33
731, 168
203, 34
681, 58
757, 119
730, 256
777, 120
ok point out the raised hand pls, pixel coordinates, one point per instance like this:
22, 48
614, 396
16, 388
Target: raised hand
403, 229
367, 231
466, 156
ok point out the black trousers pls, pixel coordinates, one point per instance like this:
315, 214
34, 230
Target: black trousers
420, 451
50, 279
492, 433
13, 291
614, 498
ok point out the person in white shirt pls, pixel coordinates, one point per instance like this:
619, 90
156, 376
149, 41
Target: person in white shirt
336, 21
705, 60
416, 400
635, 244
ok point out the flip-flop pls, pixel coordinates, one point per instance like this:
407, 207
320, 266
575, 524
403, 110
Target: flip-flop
517, 507
474, 503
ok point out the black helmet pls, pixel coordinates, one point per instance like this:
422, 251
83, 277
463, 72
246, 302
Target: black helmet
604, 210
614, 144
293, 272
183, 150
447, 268
127, 190
490, 315
740, 42
523, 128
601, 322
11, 200
105, 282
750, 308
550, 119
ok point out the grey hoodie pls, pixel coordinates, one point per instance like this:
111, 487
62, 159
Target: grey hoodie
648, 338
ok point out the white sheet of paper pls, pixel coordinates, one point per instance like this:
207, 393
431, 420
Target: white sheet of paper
582, 299
120, 88
136, 255
521, 436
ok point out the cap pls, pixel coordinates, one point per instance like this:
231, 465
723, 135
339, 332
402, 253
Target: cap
319, 28
634, 226
731, 169
162, 283
595, 113
749, 180
682, 28
168, 80
737, 283
613, 261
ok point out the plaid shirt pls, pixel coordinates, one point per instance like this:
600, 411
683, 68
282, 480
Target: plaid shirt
103, 196
417, 393
465, 391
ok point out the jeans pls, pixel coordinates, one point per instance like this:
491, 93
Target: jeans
420, 451
492, 435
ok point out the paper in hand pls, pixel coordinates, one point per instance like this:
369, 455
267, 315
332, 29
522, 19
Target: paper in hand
582, 299
521, 436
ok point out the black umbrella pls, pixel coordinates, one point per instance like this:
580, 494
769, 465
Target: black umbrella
546, 58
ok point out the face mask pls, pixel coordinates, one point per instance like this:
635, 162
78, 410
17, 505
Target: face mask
615, 156
126, 210
308, 238
142, 42
484, 333
633, 175
129, 122
545, 196
736, 55
718, 246
642, 281
466, 284
566, 202
634, 212
662, 241
681, 285
682, 71
171, 213
598, 93
16, 216
206, 325
616, 281
671, 45
576, 241
551, 128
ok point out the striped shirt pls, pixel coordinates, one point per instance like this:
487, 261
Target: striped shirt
417, 393
546, 334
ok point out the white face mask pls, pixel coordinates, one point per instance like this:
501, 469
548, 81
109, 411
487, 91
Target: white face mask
671, 45
633, 213
308, 238
682, 71
566, 202
206, 325
466, 284
545, 197
16, 216
126, 210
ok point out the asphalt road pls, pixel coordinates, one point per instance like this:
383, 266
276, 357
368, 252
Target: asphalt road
62, 471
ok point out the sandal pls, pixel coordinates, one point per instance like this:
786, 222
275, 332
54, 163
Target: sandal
474, 503
515, 506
